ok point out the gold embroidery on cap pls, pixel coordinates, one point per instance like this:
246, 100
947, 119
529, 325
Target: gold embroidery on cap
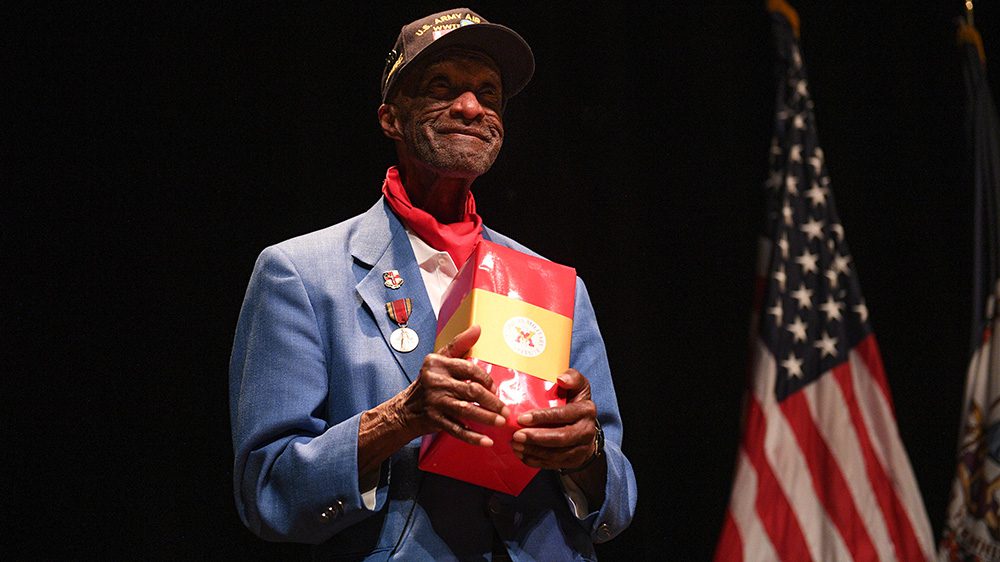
441, 23
395, 65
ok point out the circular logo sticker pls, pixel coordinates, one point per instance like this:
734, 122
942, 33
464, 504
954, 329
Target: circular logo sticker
524, 336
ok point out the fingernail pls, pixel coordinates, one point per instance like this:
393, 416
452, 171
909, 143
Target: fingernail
517, 447
500, 420
505, 412
524, 419
565, 379
519, 437
485, 442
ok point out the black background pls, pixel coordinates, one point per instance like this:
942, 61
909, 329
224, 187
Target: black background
150, 153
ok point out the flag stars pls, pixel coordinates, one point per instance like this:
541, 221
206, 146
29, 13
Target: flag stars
803, 296
802, 88
862, 311
842, 264
795, 154
793, 365
799, 121
778, 312
832, 308
817, 195
786, 212
780, 277
798, 329
838, 230
816, 162
808, 262
827, 345
832, 277
792, 184
813, 229
783, 244
774, 180
775, 147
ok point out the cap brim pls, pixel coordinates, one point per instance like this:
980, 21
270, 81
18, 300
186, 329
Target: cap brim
509, 50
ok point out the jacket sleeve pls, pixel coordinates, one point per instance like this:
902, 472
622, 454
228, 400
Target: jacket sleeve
295, 476
589, 357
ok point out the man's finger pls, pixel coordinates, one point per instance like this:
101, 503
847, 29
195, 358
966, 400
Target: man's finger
465, 370
560, 415
573, 385
470, 411
459, 379
462, 343
580, 433
571, 380
461, 432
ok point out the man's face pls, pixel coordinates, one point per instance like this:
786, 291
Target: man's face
450, 114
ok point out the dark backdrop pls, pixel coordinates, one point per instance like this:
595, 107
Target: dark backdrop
150, 153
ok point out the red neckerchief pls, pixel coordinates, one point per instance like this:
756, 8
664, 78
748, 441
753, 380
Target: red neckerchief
457, 238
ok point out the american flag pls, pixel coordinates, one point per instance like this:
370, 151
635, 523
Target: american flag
972, 529
821, 472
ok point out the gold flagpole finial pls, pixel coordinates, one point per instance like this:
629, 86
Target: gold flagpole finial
782, 7
967, 33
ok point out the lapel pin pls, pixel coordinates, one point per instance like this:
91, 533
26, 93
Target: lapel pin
392, 279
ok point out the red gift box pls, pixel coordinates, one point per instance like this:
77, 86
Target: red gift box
524, 306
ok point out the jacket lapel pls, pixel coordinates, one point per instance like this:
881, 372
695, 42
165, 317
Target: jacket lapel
380, 244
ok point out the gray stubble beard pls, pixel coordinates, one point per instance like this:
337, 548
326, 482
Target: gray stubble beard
449, 159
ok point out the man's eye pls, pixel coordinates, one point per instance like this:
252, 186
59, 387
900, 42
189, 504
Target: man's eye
438, 84
489, 96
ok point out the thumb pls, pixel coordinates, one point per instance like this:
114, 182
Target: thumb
462, 343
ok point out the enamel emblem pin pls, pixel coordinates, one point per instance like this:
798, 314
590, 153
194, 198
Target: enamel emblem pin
392, 279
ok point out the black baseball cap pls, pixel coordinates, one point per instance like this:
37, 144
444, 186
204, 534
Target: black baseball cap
460, 27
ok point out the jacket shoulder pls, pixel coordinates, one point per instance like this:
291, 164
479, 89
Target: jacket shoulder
364, 236
509, 242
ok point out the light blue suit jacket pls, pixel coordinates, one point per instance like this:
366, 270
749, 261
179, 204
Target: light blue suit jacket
312, 353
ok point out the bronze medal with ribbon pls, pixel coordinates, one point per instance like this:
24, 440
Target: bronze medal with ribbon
402, 339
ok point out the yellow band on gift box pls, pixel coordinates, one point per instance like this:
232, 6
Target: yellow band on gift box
492, 312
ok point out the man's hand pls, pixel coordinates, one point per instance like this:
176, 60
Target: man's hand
449, 391
565, 437
560, 437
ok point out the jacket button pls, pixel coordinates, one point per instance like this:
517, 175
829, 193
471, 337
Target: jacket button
603, 531
332, 512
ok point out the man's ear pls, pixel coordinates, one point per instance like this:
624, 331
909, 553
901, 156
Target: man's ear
389, 120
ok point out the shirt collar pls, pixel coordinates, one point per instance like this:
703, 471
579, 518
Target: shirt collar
429, 258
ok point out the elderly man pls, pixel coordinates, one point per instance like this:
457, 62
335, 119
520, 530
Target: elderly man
330, 396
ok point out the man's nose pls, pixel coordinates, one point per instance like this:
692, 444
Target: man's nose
467, 107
